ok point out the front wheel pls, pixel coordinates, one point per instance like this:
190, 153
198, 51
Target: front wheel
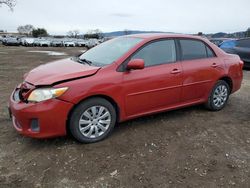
92, 120
219, 96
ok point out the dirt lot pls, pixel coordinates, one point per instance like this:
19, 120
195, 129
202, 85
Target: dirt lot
191, 147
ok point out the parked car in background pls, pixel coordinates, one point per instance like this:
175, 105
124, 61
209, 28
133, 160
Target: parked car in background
227, 46
11, 41
81, 42
1, 39
91, 43
69, 43
36, 41
218, 41
27, 41
56, 42
240, 47
44, 42
121, 79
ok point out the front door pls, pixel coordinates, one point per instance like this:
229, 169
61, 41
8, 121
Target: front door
158, 85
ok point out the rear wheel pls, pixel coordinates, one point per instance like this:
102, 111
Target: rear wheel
219, 96
92, 120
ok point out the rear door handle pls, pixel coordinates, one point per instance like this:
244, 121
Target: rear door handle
175, 71
214, 65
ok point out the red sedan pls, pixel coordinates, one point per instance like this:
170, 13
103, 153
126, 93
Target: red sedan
121, 79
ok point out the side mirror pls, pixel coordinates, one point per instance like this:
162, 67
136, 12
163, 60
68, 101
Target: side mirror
135, 64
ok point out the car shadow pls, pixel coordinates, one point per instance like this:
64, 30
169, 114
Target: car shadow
157, 118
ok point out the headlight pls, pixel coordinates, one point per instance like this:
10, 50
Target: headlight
42, 94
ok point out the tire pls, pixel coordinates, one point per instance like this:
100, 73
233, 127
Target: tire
93, 127
219, 96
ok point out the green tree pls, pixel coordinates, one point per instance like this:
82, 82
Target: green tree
39, 32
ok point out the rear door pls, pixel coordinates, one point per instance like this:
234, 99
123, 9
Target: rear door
158, 85
200, 69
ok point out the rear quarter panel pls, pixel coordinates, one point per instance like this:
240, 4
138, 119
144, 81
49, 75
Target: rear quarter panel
234, 66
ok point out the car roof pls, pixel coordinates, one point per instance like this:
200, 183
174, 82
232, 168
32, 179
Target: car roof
151, 36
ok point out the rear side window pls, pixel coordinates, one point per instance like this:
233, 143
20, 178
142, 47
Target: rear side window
156, 53
245, 43
193, 49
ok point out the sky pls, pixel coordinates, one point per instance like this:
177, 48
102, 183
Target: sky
181, 16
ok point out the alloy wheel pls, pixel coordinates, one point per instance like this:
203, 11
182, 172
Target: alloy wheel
94, 121
220, 96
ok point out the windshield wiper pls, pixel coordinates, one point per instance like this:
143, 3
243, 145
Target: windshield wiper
83, 61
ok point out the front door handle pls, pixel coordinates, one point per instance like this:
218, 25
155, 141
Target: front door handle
175, 71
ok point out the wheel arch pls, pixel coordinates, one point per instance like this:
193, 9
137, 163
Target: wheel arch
229, 81
108, 98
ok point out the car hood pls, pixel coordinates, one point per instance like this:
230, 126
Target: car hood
59, 71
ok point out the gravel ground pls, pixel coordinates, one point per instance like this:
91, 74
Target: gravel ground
191, 147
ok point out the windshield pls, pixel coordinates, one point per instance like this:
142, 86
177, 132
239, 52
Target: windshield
108, 52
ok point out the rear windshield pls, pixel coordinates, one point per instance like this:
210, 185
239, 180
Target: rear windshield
108, 52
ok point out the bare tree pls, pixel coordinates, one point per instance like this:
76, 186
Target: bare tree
73, 33
26, 29
96, 33
70, 33
9, 3
76, 33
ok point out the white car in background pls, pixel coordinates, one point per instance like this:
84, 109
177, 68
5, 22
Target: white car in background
44, 42
56, 42
91, 43
1, 40
81, 42
25, 41
11, 41
69, 43
36, 41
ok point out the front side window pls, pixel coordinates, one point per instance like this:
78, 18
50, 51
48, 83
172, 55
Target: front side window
210, 53
156, 53
193, 49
